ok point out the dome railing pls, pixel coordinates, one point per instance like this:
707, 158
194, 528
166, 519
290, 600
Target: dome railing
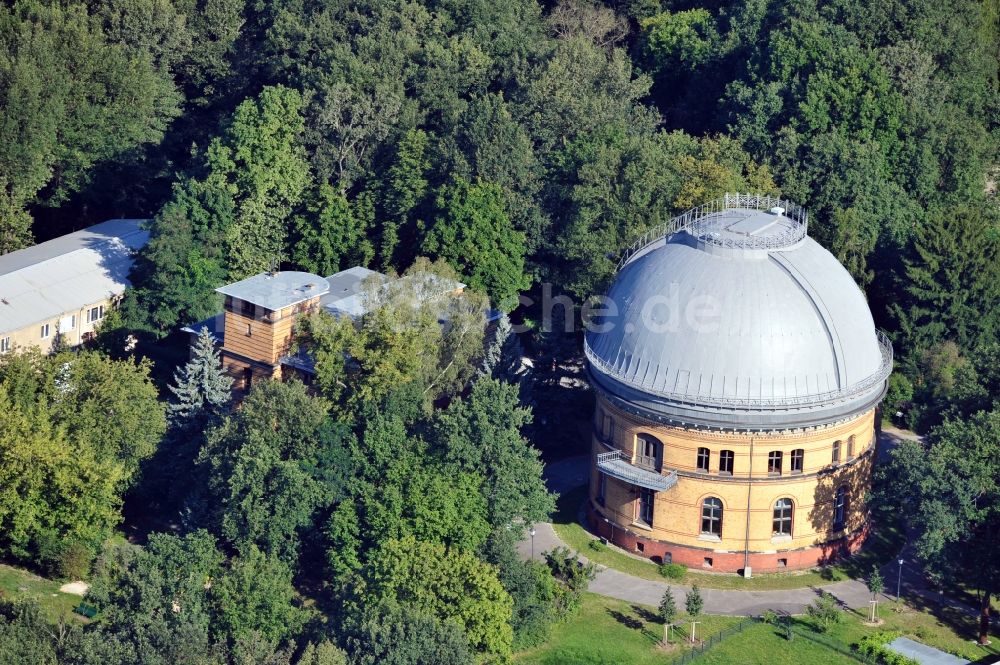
692, 217
755, 403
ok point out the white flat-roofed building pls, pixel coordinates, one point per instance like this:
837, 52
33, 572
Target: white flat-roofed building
67, 285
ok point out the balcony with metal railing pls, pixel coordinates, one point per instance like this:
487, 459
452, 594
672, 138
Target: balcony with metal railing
616, 465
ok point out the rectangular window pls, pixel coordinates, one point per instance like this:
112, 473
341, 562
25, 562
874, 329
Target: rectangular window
247, 378
67, 323
246, 308
774, 463
850, 447
95, 314
798, 459
45, 331
249, 332
602, 487
726, 463
607, 425
836, 452
4, 344
646, 506
704, 457
707, 563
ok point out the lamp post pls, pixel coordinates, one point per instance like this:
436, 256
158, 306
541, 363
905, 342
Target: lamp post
532, 532
899, 579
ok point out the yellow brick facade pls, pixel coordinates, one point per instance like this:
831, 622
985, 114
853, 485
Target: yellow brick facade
677, 512
75, 326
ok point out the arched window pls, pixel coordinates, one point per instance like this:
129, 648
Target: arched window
726, 463
836, 451
711, 516
850, 446
798, 459
782, 523
840, 508
774, 463
649, 451
704, 458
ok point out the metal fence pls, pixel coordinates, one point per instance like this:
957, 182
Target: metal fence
827, 642
710, 642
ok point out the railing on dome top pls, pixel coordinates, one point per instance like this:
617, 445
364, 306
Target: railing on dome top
880, 375
688, 219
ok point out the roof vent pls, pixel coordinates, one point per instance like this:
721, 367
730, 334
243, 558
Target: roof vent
777, 210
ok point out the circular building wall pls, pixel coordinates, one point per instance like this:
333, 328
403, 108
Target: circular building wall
737, 371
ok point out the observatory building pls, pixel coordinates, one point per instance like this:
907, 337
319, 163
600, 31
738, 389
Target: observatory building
737, 371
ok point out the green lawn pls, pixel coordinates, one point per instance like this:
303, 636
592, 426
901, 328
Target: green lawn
17, 583
607, 631
946, 630
765, 644
881, 547
943, 628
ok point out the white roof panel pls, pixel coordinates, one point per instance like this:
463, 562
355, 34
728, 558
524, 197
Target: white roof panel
64, 275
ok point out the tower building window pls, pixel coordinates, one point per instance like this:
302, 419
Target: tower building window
704, 457
711, 517
649, 451
726, 463
646, 506
850, 447
774, 463
798, 458
782, 523
840, 508
836, 451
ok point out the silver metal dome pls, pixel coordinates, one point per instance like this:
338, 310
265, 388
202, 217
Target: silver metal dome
734, 318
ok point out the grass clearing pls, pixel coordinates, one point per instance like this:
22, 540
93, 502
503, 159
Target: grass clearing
943, 628
17, 583
765, 644
607, 631
882, 545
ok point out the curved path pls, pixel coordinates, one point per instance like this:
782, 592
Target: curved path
570, 473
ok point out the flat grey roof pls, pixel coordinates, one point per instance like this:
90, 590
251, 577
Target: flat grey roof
344, 297
274, 291
63, 275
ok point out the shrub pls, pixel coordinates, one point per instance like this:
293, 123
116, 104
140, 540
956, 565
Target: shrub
597, 546
672, 571
770, 617
74, 560
873, 647
824, 612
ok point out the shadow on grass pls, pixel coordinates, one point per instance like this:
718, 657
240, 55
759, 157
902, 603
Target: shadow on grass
644, 614
636, 623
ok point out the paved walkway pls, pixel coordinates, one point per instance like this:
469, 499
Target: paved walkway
616, 584
573, 472
924, 654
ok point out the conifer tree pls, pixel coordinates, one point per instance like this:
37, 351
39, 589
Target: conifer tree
668, 612
200, 385
953, 280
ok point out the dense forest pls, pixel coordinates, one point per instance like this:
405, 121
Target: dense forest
373, 519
